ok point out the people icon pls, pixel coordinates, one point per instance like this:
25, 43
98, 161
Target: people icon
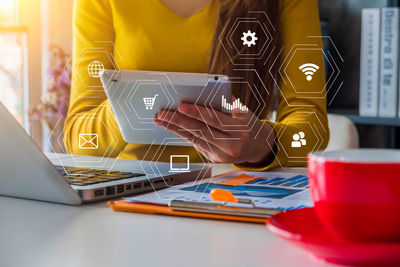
299, 140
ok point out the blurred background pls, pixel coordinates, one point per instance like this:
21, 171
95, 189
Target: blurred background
36, 41
35, 37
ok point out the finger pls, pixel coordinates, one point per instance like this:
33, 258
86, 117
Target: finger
197, 128
209, 116
178, 131
181, 120
214, 118
224, 149
210, 151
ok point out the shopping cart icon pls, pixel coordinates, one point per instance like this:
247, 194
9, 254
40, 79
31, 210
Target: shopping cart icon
149, 101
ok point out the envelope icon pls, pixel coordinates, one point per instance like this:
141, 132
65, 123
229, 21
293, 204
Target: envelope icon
88, 141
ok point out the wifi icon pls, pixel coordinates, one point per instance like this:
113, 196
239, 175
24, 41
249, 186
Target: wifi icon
309, 70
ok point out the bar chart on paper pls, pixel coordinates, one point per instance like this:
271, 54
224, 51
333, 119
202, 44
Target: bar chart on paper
279, 190
236, 106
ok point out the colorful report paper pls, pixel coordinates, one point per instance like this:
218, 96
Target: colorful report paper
276, 190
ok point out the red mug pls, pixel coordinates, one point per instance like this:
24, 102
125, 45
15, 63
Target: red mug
356, 193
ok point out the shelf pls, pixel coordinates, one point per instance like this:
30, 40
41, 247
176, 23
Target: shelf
357, 119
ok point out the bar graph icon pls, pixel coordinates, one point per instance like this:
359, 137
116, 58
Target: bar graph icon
236, 106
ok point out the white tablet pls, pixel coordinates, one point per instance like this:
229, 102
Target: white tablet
136, 96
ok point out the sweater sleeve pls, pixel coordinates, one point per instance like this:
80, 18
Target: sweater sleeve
301, 124
89, 110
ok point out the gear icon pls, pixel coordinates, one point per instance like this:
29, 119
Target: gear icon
249, 38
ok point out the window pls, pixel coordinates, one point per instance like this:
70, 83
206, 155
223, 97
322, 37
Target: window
8, 12
14, 91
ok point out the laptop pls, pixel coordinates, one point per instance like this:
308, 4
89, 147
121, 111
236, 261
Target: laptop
26, 172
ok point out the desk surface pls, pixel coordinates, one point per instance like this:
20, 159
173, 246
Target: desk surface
34, 233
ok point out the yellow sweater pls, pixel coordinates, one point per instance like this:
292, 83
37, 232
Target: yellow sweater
146, 35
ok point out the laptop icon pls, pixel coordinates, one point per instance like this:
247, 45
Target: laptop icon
179, 163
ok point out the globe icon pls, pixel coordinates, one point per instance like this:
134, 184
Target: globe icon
95, 68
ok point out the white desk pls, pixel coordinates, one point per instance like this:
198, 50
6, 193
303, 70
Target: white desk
34, 233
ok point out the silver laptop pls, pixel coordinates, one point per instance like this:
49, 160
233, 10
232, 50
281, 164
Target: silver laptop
26, 172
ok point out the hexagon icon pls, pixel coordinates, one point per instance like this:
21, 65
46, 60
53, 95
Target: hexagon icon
145, 99
88, 64
139, 102
89, 143
156, 152
304, 138
301, 74
307, 135
238, 38
94, 61
292, 73
255, 25
213, 115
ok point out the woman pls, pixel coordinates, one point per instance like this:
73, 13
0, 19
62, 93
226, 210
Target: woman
192, 36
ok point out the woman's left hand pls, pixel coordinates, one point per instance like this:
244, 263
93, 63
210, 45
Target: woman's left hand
221, 138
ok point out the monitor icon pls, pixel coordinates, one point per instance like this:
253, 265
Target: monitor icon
179, 163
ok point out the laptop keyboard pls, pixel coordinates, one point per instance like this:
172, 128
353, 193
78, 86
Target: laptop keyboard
85, 176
